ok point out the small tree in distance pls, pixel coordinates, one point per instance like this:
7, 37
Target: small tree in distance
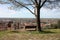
58, 24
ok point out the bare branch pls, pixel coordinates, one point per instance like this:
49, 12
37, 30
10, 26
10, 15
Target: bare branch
32, 1
28, 4
36, 2
25, 7
43, 3
1, 2
39, 3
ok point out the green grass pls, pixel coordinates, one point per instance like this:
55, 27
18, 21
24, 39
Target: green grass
47, 34
53, 30
33, 32
2, 33
46, 31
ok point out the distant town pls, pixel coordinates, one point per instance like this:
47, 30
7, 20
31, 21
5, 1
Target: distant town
24, 24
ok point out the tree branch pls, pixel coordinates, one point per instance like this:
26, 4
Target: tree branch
25, 7
1, 2
32, 1
39, 3
43, 3
28, 4
36, 2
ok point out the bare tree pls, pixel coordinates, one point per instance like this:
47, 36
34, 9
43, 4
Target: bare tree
36, 5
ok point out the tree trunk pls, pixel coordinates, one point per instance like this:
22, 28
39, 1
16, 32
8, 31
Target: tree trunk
38, 19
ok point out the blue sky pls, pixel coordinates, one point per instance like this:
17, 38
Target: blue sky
23, 13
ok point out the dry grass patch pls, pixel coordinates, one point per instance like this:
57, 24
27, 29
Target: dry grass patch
16, 36
53, 34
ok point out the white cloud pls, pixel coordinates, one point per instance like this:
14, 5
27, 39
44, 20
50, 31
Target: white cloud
5, 12
45, 13
50, 13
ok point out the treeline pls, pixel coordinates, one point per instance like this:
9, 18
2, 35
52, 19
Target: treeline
54, 26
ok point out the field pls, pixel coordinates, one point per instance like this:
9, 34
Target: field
48, 34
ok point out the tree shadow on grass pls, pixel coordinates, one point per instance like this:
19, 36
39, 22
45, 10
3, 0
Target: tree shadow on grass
14, 32
46, 32
34, 32
41, 32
